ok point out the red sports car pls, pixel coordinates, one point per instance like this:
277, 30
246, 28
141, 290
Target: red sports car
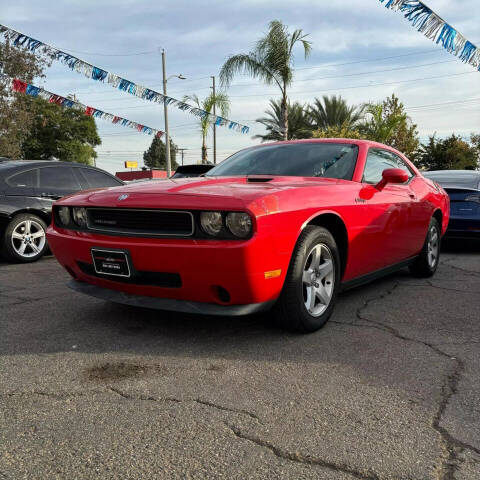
284, 225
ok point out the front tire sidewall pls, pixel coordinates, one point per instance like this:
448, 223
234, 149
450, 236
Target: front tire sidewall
290, 310
9, 252
421, 267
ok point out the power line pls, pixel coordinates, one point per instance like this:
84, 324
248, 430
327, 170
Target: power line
338, 76
301, 68
108, 54
423, 52
357, 86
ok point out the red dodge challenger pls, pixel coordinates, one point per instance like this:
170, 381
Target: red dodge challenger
284, 225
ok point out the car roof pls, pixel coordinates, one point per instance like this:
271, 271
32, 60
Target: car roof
455, 178
10, 167
36, 163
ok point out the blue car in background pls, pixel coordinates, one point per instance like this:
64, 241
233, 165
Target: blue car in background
463, 188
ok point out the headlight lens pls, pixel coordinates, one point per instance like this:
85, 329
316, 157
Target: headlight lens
239, 223
64, 214
211, 222
80, 216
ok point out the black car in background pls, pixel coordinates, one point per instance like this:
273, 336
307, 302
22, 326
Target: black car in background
463, 188
28, 189
194, 170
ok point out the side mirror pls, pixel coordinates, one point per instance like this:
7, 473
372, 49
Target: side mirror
392, 175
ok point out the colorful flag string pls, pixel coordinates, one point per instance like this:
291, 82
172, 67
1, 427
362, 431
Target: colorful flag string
96, 73
435, 28
22, 87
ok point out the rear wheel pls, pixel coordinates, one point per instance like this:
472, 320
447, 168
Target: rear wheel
24, 239
427, 262
312, 281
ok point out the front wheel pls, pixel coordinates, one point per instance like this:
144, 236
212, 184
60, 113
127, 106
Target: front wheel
24, 239
426, 263
311, 284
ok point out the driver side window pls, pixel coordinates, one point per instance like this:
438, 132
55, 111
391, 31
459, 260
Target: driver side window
377, 161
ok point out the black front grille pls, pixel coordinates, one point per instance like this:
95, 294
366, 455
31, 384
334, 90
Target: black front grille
141, 222
156, 279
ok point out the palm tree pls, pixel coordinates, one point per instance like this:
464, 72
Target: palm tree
271, 61
298, 125
334, 112
221, 102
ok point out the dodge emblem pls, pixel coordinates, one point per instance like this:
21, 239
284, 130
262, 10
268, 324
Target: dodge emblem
123, 196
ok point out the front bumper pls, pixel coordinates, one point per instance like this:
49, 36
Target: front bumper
238, 267
183, 306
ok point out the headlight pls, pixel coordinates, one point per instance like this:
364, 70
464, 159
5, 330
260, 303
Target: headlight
64, 214
239, 223
211, 222
80, 216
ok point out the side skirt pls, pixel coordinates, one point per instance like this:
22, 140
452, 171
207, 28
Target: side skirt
370, 277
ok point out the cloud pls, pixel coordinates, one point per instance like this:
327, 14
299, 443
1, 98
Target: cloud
199, 36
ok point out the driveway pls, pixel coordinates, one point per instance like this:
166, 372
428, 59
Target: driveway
389, 389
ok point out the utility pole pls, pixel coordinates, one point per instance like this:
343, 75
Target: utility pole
182, 150
214, 126
167, 139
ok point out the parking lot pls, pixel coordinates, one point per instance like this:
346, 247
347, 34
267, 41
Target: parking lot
389, 389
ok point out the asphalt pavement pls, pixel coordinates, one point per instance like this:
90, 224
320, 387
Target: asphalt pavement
388, 389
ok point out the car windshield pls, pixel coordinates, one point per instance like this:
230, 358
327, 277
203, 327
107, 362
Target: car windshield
330, 160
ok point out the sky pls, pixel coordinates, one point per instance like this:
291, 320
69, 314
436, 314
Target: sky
360, 50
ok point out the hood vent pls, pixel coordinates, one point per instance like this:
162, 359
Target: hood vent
258, 179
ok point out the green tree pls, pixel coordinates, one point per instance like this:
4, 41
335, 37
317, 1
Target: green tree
156, 155
16, 116
64, 133
222, 105
344, 131
387, 122
451, 153
335, 112
298, 124
271, 61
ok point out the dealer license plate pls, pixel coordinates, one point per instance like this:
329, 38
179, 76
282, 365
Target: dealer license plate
111, 262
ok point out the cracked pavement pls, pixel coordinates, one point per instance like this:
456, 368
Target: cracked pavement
389, 389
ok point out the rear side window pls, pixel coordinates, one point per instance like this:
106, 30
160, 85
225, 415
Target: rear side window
378, 160
96, 179
24, 179
58, 178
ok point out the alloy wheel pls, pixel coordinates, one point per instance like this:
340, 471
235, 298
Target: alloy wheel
318, 279
28, 239
433, 246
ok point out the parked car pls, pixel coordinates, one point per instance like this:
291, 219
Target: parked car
284, 225
463, 188
192, 170
28, 189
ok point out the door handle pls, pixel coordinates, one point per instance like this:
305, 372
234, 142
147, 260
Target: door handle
412, 196
50, 196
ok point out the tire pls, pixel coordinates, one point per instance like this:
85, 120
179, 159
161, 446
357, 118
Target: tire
291, 311
426, 263
24, 239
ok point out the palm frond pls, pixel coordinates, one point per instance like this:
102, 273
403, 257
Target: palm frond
250, 64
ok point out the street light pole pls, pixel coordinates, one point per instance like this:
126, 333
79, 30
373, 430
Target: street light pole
214, 125
167, 139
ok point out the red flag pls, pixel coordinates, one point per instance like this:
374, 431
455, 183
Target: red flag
89, 111
159, 134
19, 86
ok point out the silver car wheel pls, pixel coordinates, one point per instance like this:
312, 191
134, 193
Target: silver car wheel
318, 279
433, 246
28, 239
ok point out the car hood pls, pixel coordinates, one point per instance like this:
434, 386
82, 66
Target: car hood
202, 192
